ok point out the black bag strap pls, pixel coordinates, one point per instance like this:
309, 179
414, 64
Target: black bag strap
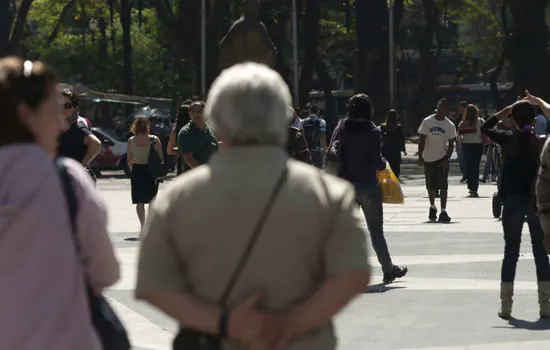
70, 197
254, 238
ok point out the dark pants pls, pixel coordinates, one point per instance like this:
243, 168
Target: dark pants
370, 200
472, 153
316, 158
437, 175
516, 208
393, 157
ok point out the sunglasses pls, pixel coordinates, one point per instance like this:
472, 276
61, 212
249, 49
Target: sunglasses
67, 106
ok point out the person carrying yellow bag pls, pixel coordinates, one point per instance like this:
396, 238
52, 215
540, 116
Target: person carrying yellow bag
390, 186
355, 155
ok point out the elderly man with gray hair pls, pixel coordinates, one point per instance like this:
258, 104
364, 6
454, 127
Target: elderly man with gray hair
253, 250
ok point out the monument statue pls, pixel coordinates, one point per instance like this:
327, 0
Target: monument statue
247, 40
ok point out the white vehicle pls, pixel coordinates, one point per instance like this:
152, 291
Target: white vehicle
113, 153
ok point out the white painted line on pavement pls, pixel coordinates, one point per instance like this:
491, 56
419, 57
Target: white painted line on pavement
447, 259
419, 283
142, 332
526, 345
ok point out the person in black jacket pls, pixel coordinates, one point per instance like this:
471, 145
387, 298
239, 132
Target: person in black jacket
393, 141
520, 164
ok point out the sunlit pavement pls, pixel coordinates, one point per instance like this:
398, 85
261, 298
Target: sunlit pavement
448, 301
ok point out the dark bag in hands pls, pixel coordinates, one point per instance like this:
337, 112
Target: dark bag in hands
111, 332
188, 339
155, 167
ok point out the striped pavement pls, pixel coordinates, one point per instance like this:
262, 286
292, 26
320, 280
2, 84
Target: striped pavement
448, 301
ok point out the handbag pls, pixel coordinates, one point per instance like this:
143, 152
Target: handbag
111, 332
188, 339
155, 167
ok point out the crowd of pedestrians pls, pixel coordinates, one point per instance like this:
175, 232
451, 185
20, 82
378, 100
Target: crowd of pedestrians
286, 251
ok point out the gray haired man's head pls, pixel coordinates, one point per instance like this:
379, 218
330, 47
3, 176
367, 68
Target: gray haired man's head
248, 104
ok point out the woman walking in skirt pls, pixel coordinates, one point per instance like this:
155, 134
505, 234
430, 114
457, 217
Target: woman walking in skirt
144, 186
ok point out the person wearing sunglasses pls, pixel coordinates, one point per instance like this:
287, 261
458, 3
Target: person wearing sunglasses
77, 142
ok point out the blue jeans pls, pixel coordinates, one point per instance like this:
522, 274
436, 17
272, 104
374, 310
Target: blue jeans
489, 165
370, 200
317, 158
516, 208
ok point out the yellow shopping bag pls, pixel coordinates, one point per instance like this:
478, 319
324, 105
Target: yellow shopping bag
390, 186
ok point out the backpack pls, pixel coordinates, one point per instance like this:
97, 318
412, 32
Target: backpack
312, 132
155, 167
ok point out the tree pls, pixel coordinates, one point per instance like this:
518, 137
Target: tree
12, 25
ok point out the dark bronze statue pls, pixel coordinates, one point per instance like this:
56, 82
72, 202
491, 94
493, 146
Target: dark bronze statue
247, 40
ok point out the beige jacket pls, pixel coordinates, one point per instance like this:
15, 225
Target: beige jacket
543, 188
198, 227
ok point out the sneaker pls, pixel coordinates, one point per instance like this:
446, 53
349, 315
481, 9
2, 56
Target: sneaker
474, 194
483, 181
433, 214
444, 217
397, 272
463, 180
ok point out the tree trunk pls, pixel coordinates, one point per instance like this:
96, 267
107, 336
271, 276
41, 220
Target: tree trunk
529, 46
126, 23
311, 35
103, 41
19, 26
7, 9
373, 56
426, 100
327, 84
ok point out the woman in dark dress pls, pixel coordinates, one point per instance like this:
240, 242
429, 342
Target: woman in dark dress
182, 118
144, 186
393, 141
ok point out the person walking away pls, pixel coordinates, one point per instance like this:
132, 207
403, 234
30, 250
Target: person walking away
393, 141
437, 136
43, 296
309, 257
469, 131
541, 123
296, 145
196, 140
315, 132
359, 152
489, 171
543, 180
520, 152
77, 142
182, 118
144, 186
459, 153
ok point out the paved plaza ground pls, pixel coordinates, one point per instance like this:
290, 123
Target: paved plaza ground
448, 301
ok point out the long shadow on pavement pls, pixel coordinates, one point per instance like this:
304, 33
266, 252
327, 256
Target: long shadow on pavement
538, 325
381, 288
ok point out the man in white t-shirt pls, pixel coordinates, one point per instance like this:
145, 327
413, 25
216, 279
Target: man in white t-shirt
437, 136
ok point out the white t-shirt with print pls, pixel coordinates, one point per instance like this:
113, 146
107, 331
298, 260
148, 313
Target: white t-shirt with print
438, 133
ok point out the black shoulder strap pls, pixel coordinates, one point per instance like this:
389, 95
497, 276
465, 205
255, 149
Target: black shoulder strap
70, 197
255, 234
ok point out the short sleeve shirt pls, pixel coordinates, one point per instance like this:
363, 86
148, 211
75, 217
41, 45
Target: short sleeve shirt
438, 133
71, 144
200, 143
293, 256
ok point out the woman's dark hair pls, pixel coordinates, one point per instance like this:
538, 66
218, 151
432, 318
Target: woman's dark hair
182, 117
360, 107
141, 125
523, 115
470, 115
71, 95
21, 82
392, 119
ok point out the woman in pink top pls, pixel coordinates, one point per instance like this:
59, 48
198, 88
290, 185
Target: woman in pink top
43, 300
